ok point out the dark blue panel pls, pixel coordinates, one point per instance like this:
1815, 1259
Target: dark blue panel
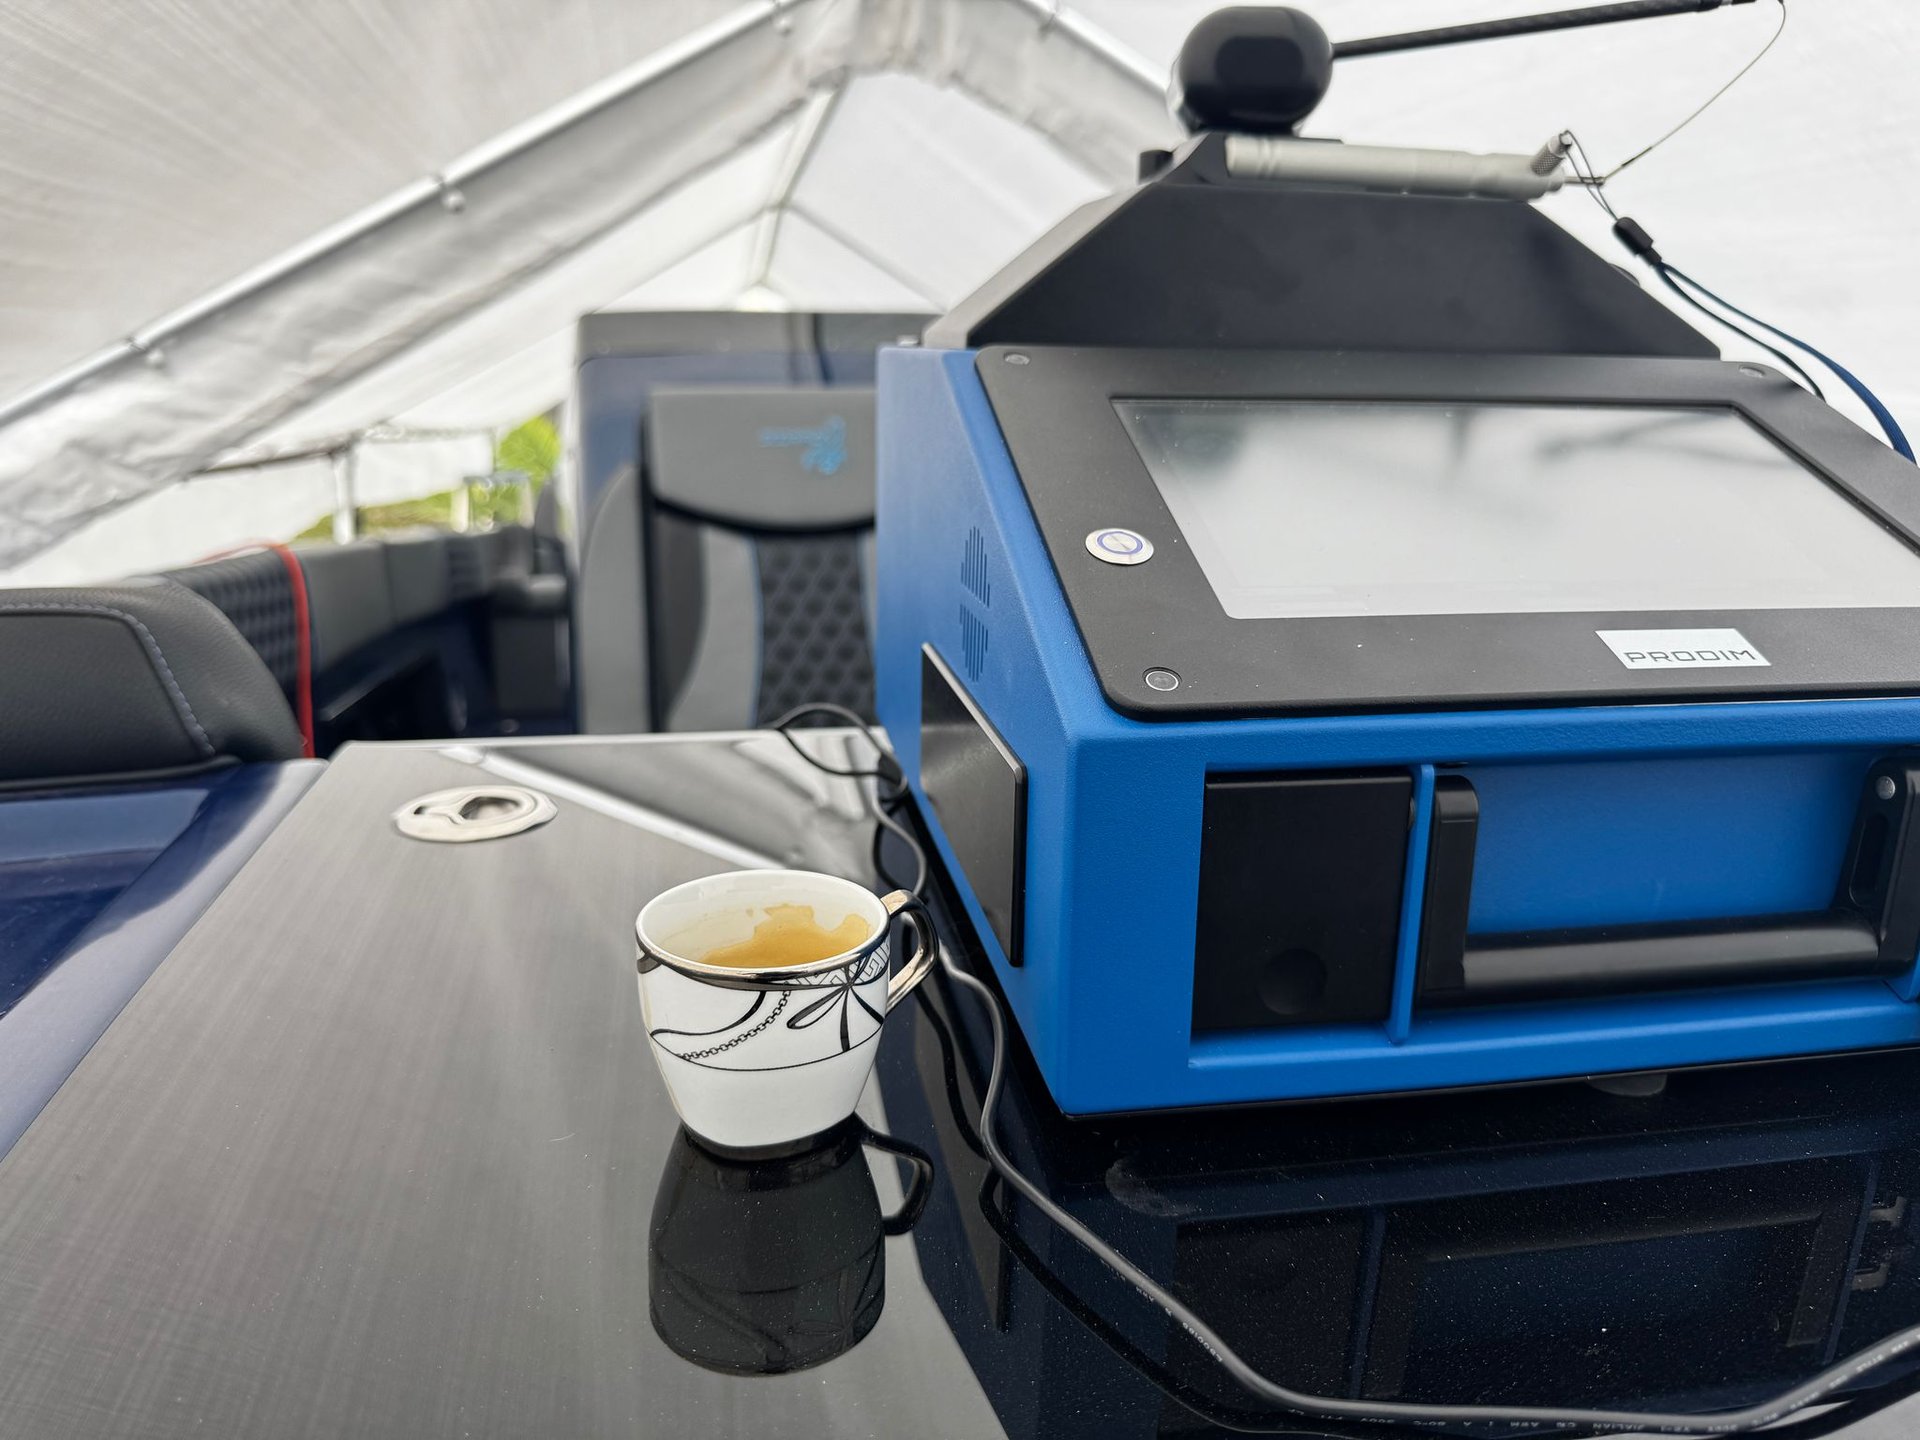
108, 882
64, 858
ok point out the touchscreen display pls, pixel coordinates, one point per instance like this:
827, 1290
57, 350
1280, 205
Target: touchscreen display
1302, 508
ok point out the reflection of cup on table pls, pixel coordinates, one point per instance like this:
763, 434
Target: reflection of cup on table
767, 1266
764, 992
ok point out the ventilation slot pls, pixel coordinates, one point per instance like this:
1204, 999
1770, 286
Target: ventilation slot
973, 567
973, 642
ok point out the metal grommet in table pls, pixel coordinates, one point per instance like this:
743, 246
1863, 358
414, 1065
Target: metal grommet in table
473, 812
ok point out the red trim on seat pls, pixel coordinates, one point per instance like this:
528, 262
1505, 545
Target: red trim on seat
302, 632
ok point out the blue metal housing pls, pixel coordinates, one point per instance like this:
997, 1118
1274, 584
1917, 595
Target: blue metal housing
1599, 815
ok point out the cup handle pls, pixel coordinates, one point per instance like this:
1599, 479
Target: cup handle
909, 907
918, 1188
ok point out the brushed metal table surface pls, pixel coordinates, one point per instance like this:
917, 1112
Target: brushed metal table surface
374, 1152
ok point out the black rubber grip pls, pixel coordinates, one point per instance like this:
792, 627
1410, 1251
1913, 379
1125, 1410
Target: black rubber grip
1633, 960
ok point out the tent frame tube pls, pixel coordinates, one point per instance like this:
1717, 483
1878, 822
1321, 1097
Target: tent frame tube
441, 188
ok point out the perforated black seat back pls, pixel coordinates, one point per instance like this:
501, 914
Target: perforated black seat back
814, 641
255, 593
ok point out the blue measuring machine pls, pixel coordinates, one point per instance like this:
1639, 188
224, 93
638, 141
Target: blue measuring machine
1348, 642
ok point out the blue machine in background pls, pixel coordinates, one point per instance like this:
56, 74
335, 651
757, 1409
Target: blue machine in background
1261, 781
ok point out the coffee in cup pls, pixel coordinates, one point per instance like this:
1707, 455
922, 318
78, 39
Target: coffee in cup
788, 935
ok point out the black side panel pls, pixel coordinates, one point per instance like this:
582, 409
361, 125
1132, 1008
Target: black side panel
419, 575
1880, 880
1449, 890
978, 789
469, 575
349, 599
1300, 887
1270, 266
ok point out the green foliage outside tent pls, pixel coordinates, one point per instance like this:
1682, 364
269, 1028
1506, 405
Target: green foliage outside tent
531, 448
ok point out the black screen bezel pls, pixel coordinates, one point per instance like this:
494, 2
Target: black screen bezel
1082, 472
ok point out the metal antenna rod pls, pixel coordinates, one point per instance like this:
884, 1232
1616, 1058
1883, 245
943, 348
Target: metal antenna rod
1525, 25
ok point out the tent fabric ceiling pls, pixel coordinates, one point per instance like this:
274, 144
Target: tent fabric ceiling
817, 153
675, 230
220, 134
966, 188
630, 141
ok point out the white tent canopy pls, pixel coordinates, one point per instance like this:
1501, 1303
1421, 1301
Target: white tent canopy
181, 180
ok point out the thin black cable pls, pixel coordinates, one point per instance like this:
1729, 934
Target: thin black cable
850, 717
1594, 183
1634, 236
1667, 274
1684, 285
950, 1071
1895, 436
1154, 1372
919, 855
1583, 171
1842, 1415
1729, 1422
1739, 75
1582, 165
1749, 1418
1848, 1413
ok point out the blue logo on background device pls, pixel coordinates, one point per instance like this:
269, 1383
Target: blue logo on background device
823, 447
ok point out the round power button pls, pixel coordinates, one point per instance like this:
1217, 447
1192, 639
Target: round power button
1119, 547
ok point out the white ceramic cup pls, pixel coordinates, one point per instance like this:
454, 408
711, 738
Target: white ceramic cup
756, 1060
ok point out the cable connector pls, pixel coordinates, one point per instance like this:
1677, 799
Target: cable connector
1631, 234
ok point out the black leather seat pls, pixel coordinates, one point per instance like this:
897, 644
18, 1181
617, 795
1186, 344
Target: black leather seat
140, 678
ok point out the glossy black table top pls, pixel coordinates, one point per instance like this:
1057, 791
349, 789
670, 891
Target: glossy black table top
379, 1150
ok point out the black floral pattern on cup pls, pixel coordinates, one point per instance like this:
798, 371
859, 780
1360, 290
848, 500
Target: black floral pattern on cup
842, 984
844, 994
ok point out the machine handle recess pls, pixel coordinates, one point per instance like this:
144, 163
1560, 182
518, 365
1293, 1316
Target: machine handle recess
1872, 927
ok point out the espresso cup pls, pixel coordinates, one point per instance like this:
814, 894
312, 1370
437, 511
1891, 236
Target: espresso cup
758, 1060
